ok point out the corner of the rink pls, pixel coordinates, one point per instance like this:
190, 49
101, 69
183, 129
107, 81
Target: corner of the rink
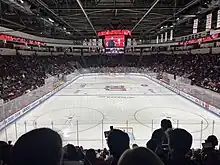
9, 120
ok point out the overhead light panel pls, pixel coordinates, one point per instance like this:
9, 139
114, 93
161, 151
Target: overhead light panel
21, 1
51, 20
190, 16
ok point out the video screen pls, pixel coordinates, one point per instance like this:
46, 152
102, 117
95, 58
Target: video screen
114, 41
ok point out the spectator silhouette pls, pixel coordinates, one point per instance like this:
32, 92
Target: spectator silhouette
159, 134
139, 156
105, 154
71, 153
210, 156
180, 142
91, 158
118, 141
134, 146
152, 145
38, 147
98, 153
212, 140
5, 152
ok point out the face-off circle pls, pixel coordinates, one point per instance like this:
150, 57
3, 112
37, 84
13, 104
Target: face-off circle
115, 88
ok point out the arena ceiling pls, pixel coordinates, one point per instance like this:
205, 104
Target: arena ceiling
81, 19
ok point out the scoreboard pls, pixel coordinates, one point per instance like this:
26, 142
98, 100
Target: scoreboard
114, 41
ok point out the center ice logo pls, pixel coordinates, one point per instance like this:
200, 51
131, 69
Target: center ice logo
115, 88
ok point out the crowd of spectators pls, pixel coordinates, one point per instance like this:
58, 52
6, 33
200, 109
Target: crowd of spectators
167, 146
20, 74
203, 70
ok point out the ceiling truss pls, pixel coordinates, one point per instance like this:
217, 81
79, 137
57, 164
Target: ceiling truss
83, 19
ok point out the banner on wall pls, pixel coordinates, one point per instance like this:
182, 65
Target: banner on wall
90, 42
195, 25
165, 39
157, 39
99, 42
84, 42
129, 42
171, 34
134, 42
94, 42
218, 19
208, 22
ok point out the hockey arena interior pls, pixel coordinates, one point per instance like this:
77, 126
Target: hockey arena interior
109, 82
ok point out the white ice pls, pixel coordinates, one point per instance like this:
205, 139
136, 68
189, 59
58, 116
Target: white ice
84, 109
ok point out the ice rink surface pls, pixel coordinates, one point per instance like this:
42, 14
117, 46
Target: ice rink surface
83, 110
